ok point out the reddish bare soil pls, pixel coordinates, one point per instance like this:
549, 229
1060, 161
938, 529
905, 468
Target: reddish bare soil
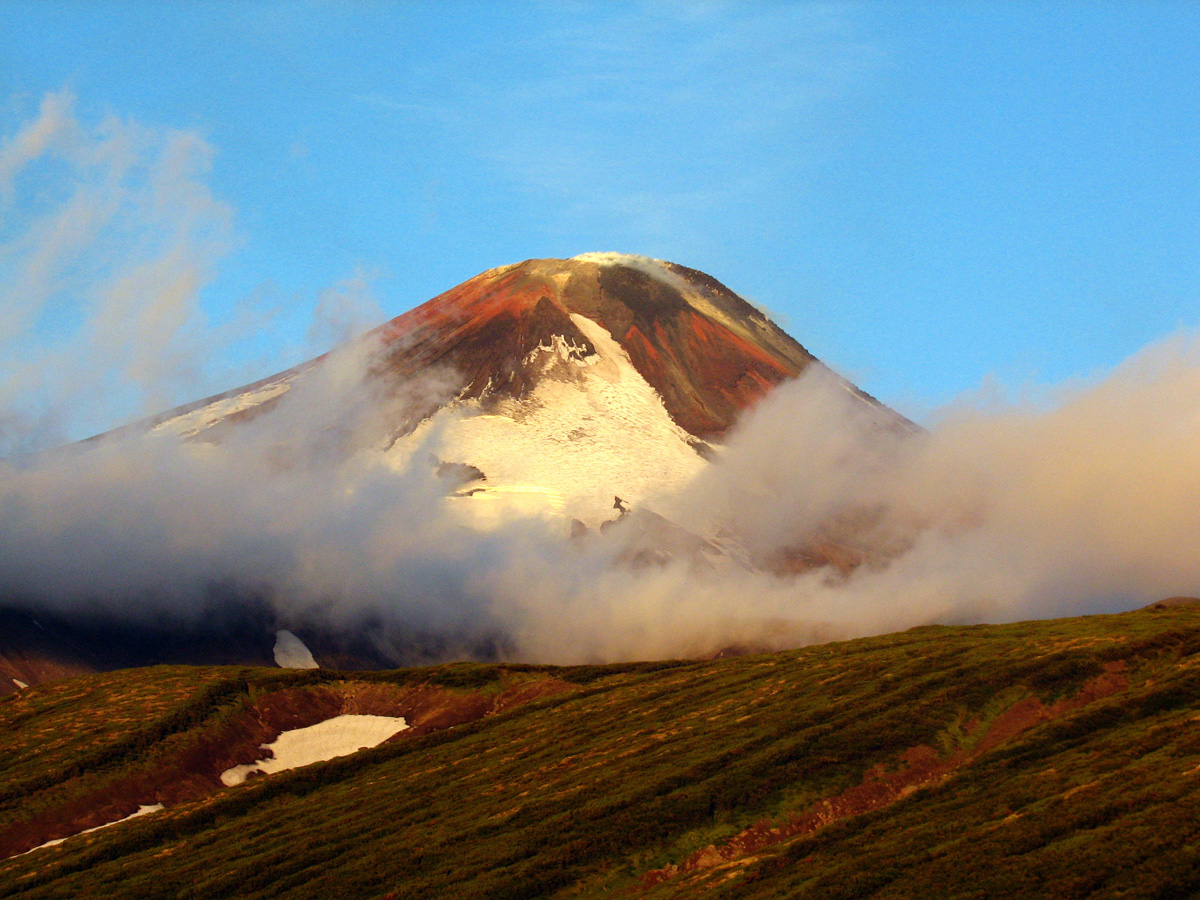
917, 767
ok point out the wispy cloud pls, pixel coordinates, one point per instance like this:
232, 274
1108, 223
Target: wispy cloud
53, 127
644, 118
110, 233
343, 311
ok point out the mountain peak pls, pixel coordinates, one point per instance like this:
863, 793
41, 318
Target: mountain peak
706, 351
563, 382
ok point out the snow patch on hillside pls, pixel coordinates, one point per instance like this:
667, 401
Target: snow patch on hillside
571, 446
291, 653
143, 810
339, 736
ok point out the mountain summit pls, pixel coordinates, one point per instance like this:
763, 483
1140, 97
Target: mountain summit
553, 382
704, 350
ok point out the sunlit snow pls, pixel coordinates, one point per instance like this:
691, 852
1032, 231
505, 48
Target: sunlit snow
290, 652
590, 431
197, 420
572, 445
339, 736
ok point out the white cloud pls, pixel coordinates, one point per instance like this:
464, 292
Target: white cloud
344, 311
53, 128
110, 235
1084, 504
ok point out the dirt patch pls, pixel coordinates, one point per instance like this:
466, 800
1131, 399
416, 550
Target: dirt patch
1026, 713
919, 767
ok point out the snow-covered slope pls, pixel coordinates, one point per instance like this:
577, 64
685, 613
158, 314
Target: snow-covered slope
194, 421
572, 446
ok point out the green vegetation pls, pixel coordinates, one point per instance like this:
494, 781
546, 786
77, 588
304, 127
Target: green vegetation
1062, 760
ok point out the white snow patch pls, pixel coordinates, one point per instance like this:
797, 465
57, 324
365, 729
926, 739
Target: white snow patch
339, 736
290, 652
141, 811
561, 348
570, 447
195, 421
20, 684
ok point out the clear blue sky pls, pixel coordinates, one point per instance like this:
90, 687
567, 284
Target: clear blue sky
924, 194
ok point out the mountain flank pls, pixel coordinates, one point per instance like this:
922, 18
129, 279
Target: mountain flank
707, 352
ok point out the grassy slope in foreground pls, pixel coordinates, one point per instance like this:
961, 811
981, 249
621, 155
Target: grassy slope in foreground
1057, 759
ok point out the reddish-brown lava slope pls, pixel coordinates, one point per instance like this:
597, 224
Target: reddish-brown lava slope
707, 352
707, 364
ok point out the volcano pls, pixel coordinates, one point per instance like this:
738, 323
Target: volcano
586, 391
547, 384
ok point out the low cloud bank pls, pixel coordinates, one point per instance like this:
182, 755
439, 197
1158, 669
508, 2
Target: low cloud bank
1082, 502
1085, 502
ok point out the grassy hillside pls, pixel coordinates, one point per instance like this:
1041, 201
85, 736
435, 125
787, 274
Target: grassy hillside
1056, 759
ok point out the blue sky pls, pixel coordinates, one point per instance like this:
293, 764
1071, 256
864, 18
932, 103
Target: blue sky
930, 197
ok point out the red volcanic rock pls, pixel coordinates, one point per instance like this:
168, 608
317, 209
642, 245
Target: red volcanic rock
707, 352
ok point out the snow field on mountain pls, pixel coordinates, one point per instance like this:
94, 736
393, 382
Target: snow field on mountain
191, 423
572, 445
339, 736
